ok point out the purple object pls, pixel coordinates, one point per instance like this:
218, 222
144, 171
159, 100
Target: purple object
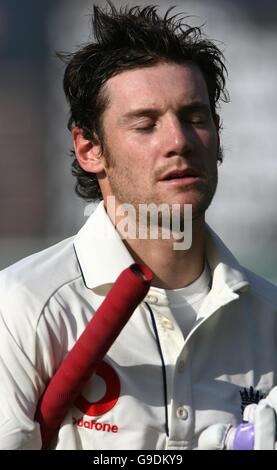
244, 437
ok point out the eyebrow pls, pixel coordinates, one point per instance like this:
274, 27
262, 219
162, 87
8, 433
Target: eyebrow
141, 112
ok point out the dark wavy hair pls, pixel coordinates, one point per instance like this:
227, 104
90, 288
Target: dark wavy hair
124, 39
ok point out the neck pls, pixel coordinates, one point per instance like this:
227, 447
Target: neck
172, 268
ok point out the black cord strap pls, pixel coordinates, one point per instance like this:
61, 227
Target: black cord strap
163, 367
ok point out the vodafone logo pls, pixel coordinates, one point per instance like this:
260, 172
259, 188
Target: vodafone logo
110, 397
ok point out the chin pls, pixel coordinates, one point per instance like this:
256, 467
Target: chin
196, 200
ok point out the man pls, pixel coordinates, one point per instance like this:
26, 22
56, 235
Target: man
143, 100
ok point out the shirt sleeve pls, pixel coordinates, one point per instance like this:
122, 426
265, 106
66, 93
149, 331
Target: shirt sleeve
35, 336
20, 388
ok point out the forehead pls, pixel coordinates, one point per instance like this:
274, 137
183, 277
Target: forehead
161, 85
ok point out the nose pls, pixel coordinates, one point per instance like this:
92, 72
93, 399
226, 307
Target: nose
179, 138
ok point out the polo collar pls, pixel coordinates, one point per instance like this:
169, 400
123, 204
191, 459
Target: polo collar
101, 252
227, 273
102, 256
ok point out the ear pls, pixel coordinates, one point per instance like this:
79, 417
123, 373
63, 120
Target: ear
88, 152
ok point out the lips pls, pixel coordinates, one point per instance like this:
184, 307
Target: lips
179, 173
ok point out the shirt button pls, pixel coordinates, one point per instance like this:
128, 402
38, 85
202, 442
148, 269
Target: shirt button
182, 413
167, 323
181, 366
152, 299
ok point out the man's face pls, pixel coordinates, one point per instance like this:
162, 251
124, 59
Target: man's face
160, 140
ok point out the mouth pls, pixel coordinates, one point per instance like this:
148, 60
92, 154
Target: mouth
186, 176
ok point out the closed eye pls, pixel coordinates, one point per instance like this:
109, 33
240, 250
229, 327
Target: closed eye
196, 115
146, 129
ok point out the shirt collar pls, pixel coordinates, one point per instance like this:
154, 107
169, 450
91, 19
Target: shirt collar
101, 252
102, 256
227, 273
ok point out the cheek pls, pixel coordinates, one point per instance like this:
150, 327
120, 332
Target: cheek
209, 137
210, 144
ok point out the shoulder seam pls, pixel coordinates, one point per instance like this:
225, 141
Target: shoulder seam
53, 294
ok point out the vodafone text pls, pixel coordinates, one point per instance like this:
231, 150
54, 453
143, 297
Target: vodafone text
141, 459
97, 426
